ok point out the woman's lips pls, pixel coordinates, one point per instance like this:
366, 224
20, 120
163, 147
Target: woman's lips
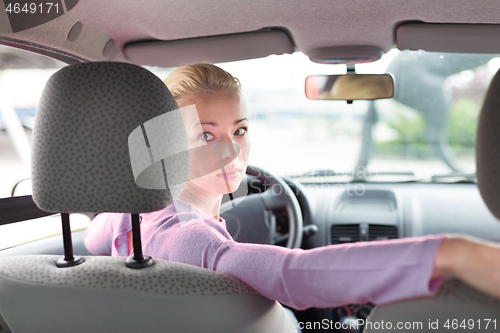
230, 174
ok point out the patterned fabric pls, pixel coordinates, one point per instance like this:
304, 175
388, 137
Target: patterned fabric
81, 159
453, 290
488, 148
111, 273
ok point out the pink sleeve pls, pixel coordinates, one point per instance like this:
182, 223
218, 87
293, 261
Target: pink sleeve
98, 236
378, 271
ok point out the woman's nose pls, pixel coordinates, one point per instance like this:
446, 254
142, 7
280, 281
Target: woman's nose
229, 150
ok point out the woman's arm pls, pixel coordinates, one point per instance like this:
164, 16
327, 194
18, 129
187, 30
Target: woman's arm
379, 272
474, 261
98, 236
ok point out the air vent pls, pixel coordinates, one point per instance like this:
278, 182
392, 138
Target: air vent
345, 233
379, 232
350, 233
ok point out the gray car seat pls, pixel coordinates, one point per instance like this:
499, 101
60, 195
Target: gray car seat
81, 163
455, 302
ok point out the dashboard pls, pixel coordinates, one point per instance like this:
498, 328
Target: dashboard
371, 211
358, 212
395, 210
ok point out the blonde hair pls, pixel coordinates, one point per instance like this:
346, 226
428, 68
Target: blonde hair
187, 81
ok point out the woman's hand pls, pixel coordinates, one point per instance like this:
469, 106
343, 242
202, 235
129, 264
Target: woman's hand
474, 261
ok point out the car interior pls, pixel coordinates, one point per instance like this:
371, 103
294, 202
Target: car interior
411, 150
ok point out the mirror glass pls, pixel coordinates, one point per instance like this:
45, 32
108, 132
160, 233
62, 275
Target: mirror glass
350, 86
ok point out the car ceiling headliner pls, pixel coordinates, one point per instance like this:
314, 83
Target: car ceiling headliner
311, 24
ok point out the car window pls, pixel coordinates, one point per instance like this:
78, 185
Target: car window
428, 128
22, 77
27, 231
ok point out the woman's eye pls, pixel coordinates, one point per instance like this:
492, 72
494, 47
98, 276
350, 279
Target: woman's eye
242, 131
206, 136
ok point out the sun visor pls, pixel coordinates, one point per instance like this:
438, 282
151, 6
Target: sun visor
213, 49
453, 38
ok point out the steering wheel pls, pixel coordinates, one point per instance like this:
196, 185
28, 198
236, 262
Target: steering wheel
252, 219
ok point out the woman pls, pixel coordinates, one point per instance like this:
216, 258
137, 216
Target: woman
190, 230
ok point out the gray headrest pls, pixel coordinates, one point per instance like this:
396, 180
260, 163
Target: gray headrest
488, 148
90, 144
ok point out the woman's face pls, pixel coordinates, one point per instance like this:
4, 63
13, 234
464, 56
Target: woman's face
220, 128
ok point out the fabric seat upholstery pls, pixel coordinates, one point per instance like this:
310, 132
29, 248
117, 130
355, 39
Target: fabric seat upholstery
81, 163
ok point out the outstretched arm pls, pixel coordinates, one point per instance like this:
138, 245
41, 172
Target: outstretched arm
378, 272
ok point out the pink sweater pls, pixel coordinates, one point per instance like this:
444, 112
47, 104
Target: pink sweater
379, 271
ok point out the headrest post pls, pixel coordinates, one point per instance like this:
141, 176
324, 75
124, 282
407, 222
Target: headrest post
69, 259
138, 260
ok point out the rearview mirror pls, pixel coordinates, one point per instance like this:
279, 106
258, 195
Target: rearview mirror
350, 86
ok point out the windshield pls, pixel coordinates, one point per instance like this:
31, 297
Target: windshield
427, 129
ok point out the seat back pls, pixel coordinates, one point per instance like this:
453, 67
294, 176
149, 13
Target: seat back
103, 295
488, 148
84, 160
